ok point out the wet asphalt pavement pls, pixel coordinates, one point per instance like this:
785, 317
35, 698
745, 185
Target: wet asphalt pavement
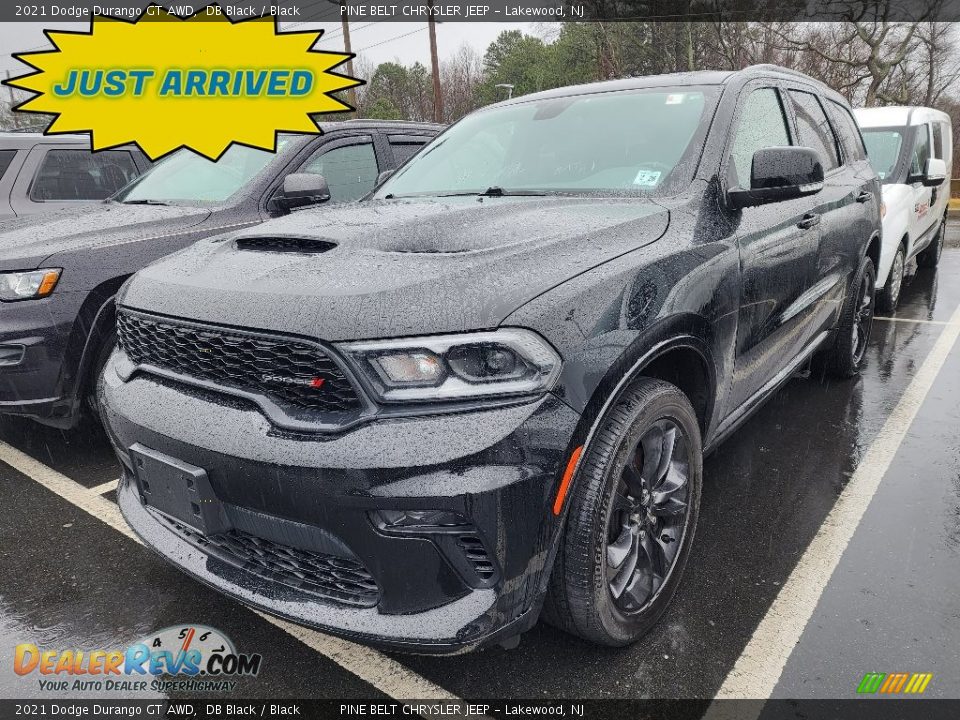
71, 581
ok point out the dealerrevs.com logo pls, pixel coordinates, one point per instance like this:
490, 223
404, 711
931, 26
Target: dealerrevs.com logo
200, 658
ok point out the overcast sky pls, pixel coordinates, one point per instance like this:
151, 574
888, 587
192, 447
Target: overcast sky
375, 41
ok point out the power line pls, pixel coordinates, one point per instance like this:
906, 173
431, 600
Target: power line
389, 40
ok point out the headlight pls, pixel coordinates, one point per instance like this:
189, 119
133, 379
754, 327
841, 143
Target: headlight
511, 361
28, 285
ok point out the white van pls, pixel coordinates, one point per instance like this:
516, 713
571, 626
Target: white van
911, 148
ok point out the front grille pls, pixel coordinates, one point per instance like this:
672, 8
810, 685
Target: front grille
294, 374
327, 576
476, 554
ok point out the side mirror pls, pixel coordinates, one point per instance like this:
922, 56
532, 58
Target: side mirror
302, 189
383, 176
780, 173
934, 173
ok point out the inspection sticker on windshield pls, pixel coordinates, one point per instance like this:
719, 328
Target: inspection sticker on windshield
647, 178
674, 99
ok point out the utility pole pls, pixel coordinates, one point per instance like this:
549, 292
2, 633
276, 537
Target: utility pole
351, 92
437, 92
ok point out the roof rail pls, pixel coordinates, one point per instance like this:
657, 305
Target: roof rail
770, 67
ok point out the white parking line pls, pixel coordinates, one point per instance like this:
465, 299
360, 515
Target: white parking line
946, 323
758, 669
105, 487
373, 667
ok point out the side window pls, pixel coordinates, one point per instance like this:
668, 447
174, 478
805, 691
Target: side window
82, 175
849, 131
762, 124
403, 150
6, 157
351, 170
921, 150
814, 128
938, 140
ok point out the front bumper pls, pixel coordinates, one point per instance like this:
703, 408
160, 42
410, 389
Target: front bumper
32, 346
498, 468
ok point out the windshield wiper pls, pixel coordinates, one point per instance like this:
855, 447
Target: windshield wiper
144, 202
496, 191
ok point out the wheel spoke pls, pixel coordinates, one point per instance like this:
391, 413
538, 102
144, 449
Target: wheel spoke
619, 549
652, 445
631, 476
666, 455
625, 571
669, 544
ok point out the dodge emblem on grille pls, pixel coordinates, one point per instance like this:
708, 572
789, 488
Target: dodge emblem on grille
284, 380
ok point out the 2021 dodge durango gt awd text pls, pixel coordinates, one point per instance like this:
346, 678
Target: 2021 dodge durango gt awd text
486, 392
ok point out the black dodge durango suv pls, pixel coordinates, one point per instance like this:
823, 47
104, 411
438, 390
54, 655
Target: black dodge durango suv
487, 392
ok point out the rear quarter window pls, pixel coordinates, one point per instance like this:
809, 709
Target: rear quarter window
66, 175
6, 157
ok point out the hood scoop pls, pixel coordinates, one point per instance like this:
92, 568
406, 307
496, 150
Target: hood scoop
302, 245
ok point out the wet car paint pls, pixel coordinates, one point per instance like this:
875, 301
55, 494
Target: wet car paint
730, 302
99, 246
748, 541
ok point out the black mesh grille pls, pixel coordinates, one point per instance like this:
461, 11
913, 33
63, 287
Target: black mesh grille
327, 576
285, 244
295, 375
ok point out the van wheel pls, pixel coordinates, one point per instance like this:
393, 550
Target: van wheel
930, 257
889, 295
846, 357
631, 520
93, 379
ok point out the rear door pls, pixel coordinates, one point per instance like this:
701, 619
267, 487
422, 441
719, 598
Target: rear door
778, 246
848, 205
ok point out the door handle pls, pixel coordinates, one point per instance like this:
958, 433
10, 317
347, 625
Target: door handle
865, 196
809, 220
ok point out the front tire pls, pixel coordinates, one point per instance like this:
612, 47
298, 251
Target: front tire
846, 358
631, 520
930, 257
93, 379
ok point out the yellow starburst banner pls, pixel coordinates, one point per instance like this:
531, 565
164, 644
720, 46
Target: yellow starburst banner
165, 82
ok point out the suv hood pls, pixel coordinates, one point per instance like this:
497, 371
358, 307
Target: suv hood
394, 268
26, 242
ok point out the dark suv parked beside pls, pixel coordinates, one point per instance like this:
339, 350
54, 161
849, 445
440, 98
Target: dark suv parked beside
411, 421
59, 272
45, 173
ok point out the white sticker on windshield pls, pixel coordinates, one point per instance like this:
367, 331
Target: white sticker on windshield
647, 178
675, 99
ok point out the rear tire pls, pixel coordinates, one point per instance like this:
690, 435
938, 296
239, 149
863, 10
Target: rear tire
930, 257
849, 351
632, 516
889, 295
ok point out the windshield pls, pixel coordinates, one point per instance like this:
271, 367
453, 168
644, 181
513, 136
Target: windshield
185, 177
883, 149
637, 142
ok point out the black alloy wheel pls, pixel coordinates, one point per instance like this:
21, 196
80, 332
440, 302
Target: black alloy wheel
646, 528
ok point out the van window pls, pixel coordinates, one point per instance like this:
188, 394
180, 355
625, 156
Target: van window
921, 151
6, 157
82, 175
814, 129
762, 125
938, 140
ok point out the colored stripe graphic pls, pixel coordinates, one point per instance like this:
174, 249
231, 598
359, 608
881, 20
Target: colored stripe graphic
894, 683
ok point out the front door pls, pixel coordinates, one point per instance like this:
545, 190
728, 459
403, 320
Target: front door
778, 246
